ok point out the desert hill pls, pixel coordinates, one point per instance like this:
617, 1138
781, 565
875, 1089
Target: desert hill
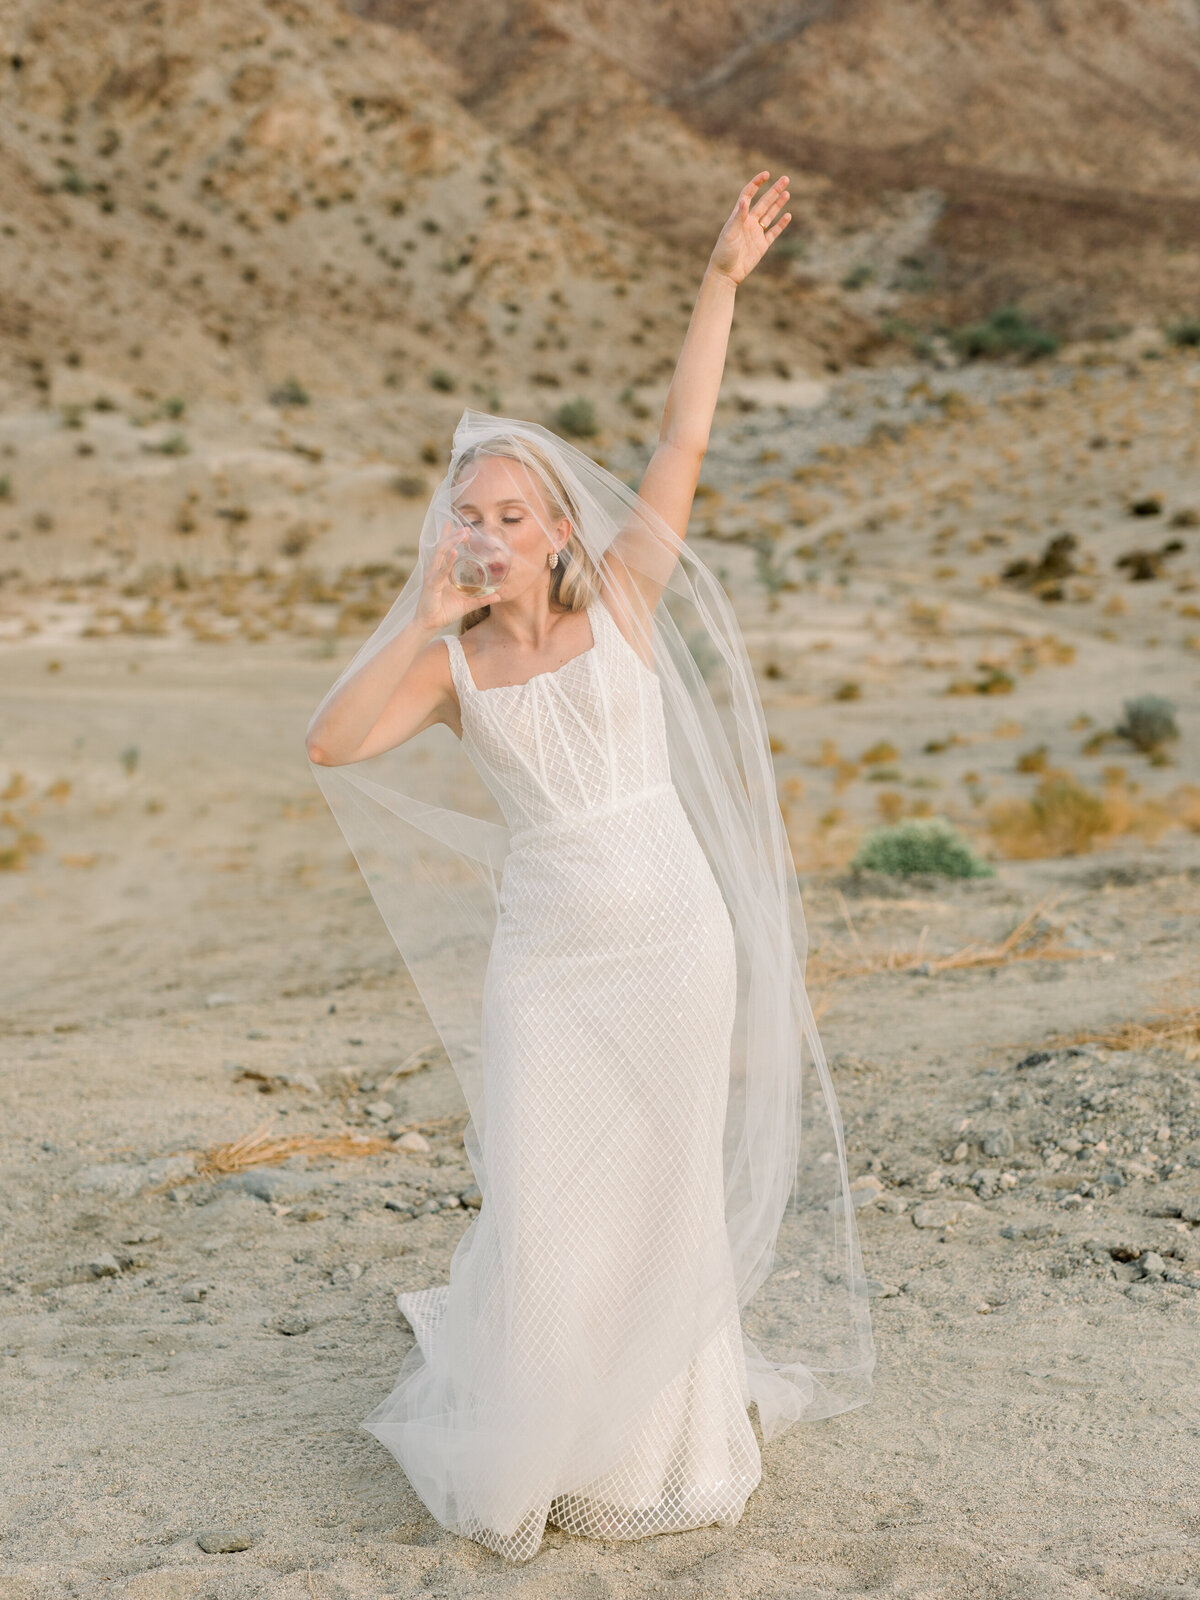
1055, 144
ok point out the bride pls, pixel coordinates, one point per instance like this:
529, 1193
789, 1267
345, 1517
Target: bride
591, 887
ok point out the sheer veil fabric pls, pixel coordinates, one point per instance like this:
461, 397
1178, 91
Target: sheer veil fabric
506, 1404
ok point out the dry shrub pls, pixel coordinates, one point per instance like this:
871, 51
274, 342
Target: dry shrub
1062, 818
262, 1148
1176, 1029
881, 754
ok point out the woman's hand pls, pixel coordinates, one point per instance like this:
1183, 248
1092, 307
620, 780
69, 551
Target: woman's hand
751, 229
440, 602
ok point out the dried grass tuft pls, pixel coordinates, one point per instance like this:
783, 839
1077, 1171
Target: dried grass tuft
1062, 818
1035, 938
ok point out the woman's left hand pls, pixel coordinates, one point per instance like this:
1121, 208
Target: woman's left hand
751, 229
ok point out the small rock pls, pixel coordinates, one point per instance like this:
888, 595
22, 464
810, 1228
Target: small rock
427, 1208
346, 1272
291, 1323
122, 1180
1152, 1264
105, 1266
1071, 1144
881, 1291
1009, 1180
932, 1180
271, 1184
960, 1151
223, 1541
941, 1213
220, 999
1142, 1291
1189, 1209
380, 1110
998, 1141
300, 1080
1029, 1230
448, 1201
893, 1204
470, 1196
414, 1141
867, 1181
401, 1208
195, 1291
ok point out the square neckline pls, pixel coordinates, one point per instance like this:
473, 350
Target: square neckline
550, 672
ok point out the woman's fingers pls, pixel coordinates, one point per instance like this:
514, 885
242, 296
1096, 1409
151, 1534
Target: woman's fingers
771, 203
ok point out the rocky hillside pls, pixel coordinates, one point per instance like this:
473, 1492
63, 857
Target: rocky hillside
1044, 150
214, 199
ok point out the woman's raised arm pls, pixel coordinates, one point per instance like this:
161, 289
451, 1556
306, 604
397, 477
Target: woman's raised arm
669, 481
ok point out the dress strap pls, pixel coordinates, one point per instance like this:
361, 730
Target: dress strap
458, 666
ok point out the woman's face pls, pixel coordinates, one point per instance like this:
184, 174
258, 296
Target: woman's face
505, 499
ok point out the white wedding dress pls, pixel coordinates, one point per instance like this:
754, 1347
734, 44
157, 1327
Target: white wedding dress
609, 1004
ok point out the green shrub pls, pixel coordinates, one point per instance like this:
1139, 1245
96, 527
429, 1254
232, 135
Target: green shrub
1007, 331
1185, 332
919, 844
1149, 722
577, 417
289, 393
439, 378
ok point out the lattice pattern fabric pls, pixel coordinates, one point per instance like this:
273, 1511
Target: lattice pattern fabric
537, 1390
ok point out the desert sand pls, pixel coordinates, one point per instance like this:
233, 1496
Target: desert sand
256, 258
192, 960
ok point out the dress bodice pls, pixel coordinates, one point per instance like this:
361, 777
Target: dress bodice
581, 737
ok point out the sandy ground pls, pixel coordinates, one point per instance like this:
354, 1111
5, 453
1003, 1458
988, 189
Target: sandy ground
190, 953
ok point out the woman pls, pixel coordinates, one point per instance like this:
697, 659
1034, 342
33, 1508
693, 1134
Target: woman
615, 967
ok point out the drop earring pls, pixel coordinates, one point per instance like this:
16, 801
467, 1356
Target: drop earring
553, 558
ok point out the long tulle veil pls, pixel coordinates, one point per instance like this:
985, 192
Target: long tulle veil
431, 842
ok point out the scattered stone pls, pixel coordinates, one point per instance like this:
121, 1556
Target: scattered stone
271, 1184
299, 1080
1038, 1058
943, 1213
346, 1272
998, 1141
1143, 1291
893, 1204
291, 1323
380, 1110
223, 1542
932, 1180
960, 1151
414, 1141
1029, 1230
427, 1208
471, 1196
105, 1266
448, 1202
1189, 1210
220, 999
1152, 1264
881, 1291
869, 1180
122, 1180
401, 1208
194, 1292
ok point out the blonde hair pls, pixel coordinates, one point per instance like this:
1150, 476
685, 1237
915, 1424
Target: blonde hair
574, 580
